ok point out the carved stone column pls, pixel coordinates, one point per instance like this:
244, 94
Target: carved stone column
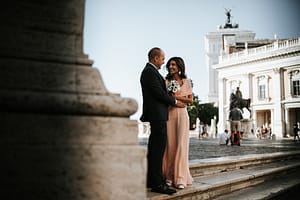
63, 135
276, 114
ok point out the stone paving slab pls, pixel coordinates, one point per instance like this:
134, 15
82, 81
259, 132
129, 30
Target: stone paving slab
230, 159
209, 147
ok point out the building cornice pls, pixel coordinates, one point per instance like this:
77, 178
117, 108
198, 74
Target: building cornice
221, 32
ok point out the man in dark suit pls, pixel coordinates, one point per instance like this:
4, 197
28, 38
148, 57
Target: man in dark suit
156, 101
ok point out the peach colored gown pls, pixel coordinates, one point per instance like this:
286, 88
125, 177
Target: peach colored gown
175, 160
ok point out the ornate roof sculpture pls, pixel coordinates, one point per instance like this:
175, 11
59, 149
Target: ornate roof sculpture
228, 23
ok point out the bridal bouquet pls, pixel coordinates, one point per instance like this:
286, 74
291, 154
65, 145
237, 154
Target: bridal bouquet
173, 86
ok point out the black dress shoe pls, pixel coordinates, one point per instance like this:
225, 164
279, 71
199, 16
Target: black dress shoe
164, 189
149, 184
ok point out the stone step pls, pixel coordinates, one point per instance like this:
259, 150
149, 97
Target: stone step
248, 172
216, 165
282, 187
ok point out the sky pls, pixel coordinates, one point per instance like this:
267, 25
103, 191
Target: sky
119, 33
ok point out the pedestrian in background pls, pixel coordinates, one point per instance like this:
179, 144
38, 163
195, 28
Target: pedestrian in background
235, 117
224, 138
296, 129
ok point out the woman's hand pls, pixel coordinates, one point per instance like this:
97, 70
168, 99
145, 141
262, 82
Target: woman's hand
180, 104
184, 99
176, 95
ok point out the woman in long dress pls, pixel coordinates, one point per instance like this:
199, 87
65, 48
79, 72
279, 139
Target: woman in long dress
175, 160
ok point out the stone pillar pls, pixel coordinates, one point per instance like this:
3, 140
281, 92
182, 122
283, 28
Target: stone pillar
287, 121
222, 109
212, 130
277, 123
63, 134
254, 119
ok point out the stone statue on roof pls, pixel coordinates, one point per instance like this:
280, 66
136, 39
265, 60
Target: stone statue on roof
228, 23
228, 14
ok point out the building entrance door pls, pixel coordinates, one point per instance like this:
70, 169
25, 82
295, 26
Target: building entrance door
294, 116
263, 122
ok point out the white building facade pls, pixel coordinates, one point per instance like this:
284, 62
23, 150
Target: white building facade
270, 76
215, 44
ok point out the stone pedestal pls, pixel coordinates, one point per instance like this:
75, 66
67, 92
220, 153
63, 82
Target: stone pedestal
71, 157
247, 125
63, 134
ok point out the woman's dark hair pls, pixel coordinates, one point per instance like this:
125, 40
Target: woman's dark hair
181, 67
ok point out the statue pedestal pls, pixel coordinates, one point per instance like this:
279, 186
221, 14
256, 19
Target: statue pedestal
247, 125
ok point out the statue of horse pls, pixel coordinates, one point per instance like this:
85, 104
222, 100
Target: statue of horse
241, 103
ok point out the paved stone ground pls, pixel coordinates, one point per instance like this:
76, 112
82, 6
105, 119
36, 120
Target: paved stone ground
209, 147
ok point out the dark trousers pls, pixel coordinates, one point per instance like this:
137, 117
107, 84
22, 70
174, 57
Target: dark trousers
156, 147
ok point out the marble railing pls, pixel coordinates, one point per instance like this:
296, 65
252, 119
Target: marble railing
277, 45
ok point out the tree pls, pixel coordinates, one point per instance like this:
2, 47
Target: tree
193, 111
205, 112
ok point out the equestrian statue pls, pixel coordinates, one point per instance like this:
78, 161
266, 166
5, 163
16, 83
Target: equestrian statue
236, 99
237, 103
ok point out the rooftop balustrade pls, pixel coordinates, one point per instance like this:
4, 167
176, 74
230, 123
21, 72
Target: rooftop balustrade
259, 52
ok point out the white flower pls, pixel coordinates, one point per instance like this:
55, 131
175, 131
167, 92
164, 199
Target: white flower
173, 86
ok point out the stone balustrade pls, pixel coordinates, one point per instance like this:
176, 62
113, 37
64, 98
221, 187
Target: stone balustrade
259, 52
